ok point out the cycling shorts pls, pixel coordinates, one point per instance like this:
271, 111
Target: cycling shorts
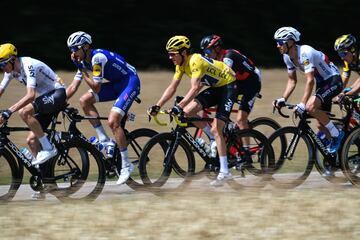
327, 90
224, 97
248, 91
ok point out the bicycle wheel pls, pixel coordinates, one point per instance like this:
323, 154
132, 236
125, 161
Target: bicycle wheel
258, 155
350, 157
293, 163
323, 166
156, 161
77, 172
10, 177
136, 142
265, 125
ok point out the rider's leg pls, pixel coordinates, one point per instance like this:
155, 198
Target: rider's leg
87, 102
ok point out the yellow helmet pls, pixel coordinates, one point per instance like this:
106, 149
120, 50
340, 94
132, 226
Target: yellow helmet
7, 50
344, 42
177, 43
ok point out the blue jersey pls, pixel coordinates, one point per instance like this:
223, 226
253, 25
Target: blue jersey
108, 65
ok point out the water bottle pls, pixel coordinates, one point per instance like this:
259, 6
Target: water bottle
213, 149
322, 136
28, 155
109, 149
94, 141
204, 145
231, 125
57, 137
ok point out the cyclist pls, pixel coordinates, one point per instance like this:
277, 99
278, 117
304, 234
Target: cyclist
222, 91
45, 95
123, 85
317, 68
247, 74
348, 51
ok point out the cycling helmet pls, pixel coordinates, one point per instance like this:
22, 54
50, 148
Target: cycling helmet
210, 41
7, 50
344, 42
177, 43
286, 33
78, 39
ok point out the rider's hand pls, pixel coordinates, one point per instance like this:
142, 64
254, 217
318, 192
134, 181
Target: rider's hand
153, 110
6, 114
280, 102
300, 108
177, 110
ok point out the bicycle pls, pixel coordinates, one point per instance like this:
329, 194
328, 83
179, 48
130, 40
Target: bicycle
291, 170
63, 175
350, 154
173, 151
136, 140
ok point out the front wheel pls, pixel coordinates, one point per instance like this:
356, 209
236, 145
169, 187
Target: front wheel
295, 161
10, 176
77, 172
159, 157
350, 157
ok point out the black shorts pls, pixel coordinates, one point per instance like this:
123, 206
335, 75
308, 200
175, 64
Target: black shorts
224, 97
248, 91
48, 105
327, 90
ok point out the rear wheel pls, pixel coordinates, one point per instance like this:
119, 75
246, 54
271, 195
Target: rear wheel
136, 142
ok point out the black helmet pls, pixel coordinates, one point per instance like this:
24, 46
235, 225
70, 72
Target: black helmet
210, 41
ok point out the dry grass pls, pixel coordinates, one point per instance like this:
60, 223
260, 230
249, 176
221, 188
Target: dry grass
205, 213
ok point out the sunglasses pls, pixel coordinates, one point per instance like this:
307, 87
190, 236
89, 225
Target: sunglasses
74, 49
280, 42
342, 54
3, 64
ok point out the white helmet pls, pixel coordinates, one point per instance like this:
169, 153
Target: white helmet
286, 33
78, 39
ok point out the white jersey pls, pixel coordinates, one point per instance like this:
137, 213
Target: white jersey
311, 60
34, 74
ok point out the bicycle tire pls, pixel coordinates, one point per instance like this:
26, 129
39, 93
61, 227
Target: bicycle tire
70, 175
290, 173
136, 144
260, 122
350, 157
10, 177
261, 156
157, 174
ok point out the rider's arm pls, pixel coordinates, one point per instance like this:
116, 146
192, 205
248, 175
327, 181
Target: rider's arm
309, 85
28, 98
73, 87
355, 88
291, 84
194, 90
95, 86
169, 92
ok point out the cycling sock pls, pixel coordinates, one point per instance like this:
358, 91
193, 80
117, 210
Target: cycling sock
124, 157
45, 144
103, 137
207, 130
223, 164
334, 132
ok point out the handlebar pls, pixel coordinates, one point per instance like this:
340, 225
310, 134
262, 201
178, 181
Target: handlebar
171, 116
288, 105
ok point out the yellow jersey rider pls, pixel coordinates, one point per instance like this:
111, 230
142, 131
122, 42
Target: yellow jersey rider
222, 91
348, 51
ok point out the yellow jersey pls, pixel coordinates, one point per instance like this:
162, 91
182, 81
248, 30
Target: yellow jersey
211, 72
